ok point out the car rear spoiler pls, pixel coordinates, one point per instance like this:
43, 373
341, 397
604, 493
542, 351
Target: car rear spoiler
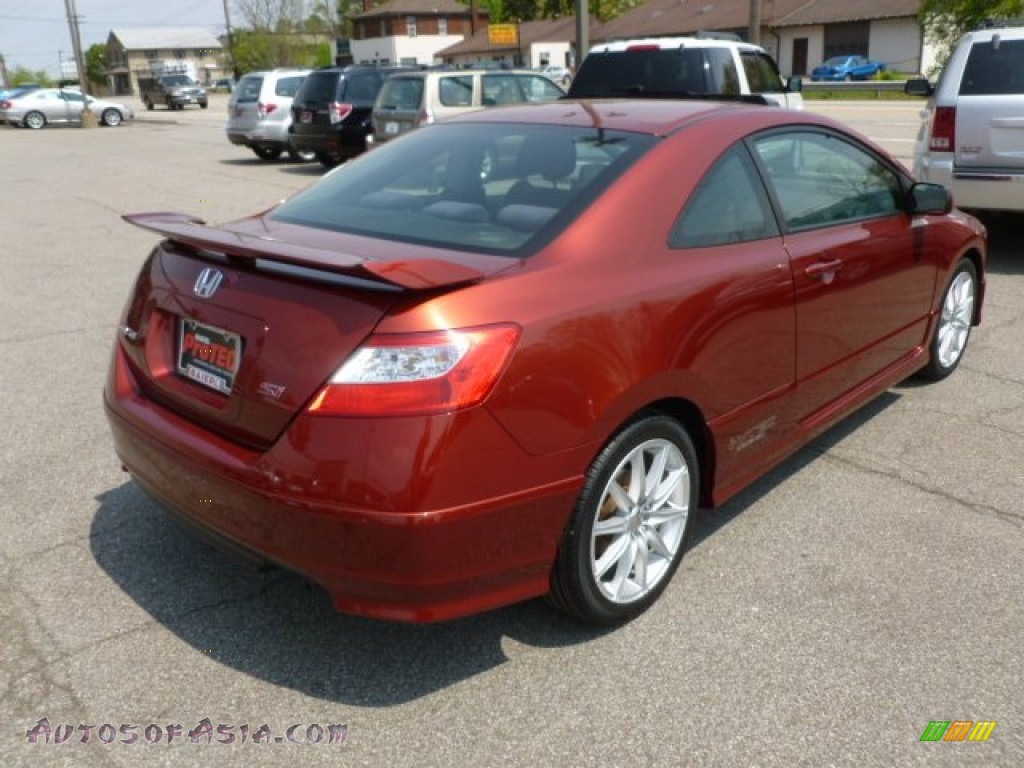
413, 275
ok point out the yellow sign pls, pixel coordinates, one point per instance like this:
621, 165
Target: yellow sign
503, 34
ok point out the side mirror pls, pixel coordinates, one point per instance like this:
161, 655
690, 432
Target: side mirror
918, 87
930, 198
794, 84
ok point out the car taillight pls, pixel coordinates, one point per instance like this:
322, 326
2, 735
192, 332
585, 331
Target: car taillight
5, 105
418, 373
339, 111
265, 109
426, 118
943, 137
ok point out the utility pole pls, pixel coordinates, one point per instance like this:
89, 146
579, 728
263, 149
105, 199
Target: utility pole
88, 118
582, 34
231, 40
754, 31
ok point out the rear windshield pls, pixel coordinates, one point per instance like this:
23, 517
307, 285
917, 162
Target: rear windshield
401, 93
650, 72
994, 71
492, 188
248, 89
287, 86
319, 87
360, 88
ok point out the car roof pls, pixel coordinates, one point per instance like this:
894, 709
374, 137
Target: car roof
1003, 33
424, 73
657, 117
666, 43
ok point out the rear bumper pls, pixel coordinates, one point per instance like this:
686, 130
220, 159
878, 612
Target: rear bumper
978, 188
344, 143
322, 507
261, 136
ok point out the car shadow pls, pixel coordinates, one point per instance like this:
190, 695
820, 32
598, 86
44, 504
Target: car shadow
1005, 254
275, 627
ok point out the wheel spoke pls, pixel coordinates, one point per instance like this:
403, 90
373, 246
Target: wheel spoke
656, 471
610, 526
667, 487
612, 555
624, 566
622, 500
667, 513
658, 544
640, 564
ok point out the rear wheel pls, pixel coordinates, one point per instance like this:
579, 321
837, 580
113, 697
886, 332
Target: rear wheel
110, 117
203, 104
267, 153
148, 103
953, 329
327, 161
34, 120
628, 531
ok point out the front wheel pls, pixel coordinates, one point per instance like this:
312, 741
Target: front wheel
327, 161
628, 531
953, 328
110, 117
35, 120
299, 156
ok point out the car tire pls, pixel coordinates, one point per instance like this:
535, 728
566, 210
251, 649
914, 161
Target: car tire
298, 156
34, 120
630, 525
110, 117
148, 103
203, 104
848, 78
953, 325
327, 161
267, 153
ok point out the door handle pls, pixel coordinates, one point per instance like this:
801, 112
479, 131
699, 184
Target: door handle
824, 270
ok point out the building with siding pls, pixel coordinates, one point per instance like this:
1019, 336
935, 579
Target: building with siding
411, 31
141, 51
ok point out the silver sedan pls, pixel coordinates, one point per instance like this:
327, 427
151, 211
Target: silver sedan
36, 109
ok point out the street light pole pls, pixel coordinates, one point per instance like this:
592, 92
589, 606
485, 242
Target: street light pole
754, 31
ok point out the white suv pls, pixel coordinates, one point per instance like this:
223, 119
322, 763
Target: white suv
972, 135
684, 67
260, 112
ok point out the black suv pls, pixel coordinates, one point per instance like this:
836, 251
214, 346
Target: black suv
331, 111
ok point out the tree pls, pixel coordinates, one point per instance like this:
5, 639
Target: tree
23, 75
945, 21
96, 64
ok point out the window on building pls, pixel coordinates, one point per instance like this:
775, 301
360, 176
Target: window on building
410, 26
152, 55
442, 27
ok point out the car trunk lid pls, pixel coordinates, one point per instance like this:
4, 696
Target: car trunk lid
237, 328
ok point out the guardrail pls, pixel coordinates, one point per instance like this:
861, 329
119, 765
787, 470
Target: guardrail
854, 86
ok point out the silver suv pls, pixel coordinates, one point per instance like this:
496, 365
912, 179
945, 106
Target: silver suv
684, 68
972, 133
260, 112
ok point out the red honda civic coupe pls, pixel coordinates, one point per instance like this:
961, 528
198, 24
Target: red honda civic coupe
512, 354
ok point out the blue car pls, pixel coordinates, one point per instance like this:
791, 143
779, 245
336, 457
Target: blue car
847, 68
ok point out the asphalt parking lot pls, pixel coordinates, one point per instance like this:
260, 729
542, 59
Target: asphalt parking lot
868, 586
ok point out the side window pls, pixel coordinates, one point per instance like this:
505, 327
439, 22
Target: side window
501, 89
362, 88
539, 88
287, 86
456, 91
728, 206
820, 180
724, 77
761, 72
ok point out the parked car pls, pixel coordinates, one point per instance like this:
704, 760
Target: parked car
173, 91
560, 75
224, 84
331, 111
37, 109
437, 385
847, 68
259, 113
411, 99
972, 135
14, 93
684, 67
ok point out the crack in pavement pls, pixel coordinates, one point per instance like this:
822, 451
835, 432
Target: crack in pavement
52, 334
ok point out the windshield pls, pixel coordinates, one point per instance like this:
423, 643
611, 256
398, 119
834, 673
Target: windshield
177, 80
492, 188
659, 72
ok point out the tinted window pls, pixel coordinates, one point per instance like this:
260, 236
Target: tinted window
993, 71
728, 206
819, 180
722, 68
360, 88
483, 187
318, 87
248, 89
501, 89
537, 88
762, 75
287, 86
631, 73
456, 91
401, 93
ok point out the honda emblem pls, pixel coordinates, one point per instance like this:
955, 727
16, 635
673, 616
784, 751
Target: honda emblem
207, 283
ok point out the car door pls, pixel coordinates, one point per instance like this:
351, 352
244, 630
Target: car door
74, 105
864, 273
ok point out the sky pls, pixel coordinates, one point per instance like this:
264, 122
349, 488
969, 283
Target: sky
35, 33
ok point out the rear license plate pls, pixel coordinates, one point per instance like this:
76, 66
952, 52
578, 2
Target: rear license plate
209, 356
306, 117
391, 129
